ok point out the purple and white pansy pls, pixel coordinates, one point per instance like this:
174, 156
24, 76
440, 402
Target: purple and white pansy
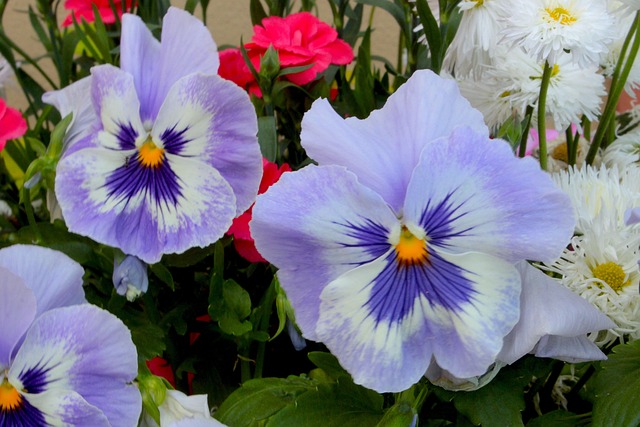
62, 361
399, 249
172, 153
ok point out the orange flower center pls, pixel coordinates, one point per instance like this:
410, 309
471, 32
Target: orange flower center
10, 398
411, 250
150, 155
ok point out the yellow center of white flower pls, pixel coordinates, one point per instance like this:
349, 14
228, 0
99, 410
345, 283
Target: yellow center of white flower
478, 3
150, 155
612, 274
10, 398
561, 153
411, 250
560, 15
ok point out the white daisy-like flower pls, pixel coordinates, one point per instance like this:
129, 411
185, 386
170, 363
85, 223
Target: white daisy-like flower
602, 267
594, 191
547, 28
610, 58
558, 155
630, 5
492, 97
472, 47
513, 82
624, 152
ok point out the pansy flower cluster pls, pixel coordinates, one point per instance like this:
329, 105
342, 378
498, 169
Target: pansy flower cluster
440, 236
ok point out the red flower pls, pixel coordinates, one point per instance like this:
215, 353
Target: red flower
242, 239
233, 67
300, 39
12, 124
83, 9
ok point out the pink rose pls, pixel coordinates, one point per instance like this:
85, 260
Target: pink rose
83, 9
300, 39
12, 124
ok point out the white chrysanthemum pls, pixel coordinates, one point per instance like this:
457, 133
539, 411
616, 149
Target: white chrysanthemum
624, 152
513, 82
610, 58
472, 47
602, 267
547, 28
630, 5
492, 98
594, 191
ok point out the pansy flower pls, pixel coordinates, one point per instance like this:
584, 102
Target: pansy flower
399, 248
171, 156
83, 10
62, 362
12, 124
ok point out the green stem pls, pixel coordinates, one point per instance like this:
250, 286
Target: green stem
581, 382
30, 215
620, 75
542, 101
572, 144
525, 131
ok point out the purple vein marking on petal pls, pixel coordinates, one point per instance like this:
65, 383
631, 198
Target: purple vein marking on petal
173, 140
24, 415
34, 380
371, 236
161, 183
437, 220
127, 136
397, 287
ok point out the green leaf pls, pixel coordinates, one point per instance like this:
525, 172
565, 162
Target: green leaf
237, 299
617, 387
268, 137
163, 273
500, 402
328, 363
395, 10
399, 415
342, 404
257, 400
558, 418
257, 12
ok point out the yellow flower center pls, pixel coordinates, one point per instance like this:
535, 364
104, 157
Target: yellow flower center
561, 153
560, 15
10, 398
150, 155
410, 250
479, 3
612, 274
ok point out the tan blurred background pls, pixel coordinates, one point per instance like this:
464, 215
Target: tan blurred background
227, 20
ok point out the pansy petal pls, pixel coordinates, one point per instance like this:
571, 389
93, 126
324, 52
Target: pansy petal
85, 349
116, 104
568, 349
383, 149
17, 311
187, 47
140, 56
53, 277
549, 309
468, 194
384, 322
213, 120
74, 99
64, 408
315, 224
149, 214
